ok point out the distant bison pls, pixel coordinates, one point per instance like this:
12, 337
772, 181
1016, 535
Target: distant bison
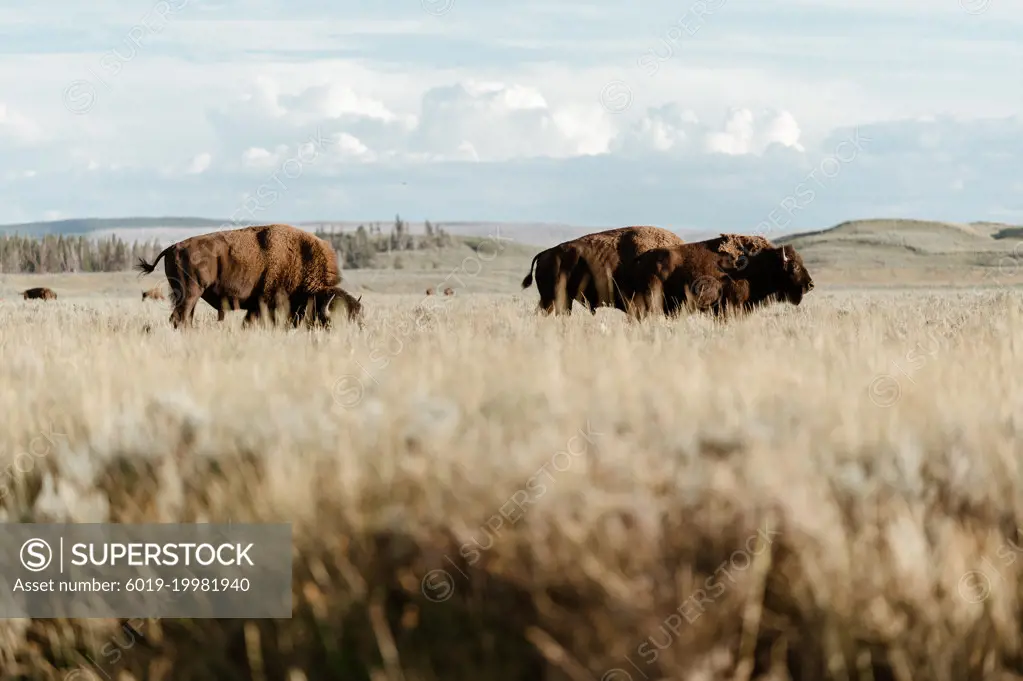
275, 266
591, 269
155, 293
40, 292
449, 291
430, 291
730, 271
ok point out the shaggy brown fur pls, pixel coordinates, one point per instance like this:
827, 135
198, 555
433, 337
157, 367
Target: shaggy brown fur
328, 304
273, 265
155, 293
591, 269
40, 292
728, 272
738, 245
449, 291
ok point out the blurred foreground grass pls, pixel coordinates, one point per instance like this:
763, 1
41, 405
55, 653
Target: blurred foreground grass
822, 492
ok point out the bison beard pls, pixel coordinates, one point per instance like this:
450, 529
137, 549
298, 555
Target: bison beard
275, 266
593, 269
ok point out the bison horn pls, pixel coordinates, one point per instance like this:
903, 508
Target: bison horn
359, 299
784, 255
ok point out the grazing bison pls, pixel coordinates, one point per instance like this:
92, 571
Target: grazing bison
155, 293
591, 269
449, 291
430, 291
273, 265
730, 271
328, 304
40, 292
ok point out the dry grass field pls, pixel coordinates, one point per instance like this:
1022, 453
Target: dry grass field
820, 492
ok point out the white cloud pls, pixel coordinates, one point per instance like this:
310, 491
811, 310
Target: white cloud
200, 164
744, 134
332, 101
482, 125
258, 157
350, 146
18, 128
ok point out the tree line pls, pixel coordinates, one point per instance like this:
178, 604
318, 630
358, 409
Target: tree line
64, 253
359, 249
55, 253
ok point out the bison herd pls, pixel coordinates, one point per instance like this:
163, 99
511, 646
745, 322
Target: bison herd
646, 270
640, 270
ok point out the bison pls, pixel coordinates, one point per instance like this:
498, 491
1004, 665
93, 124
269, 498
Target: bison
591, 268
328, 303
265, 265
449, 291
730, 271
40, 292
429, 291
154, 293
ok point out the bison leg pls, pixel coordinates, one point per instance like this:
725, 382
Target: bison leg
298, 306
252, 314
577, 288
655, 304
562, 299
184, 311
184, 306
216, 303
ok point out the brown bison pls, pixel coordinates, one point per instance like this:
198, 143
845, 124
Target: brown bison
591, 269
730, 271
430, 291
155, 293
328, 304
449, 291
40, 292
275, 266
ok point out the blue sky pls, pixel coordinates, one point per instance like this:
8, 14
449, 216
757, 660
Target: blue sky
703, 114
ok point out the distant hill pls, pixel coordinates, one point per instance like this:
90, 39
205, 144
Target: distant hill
79, 226
170, 229
867, 250
906, 247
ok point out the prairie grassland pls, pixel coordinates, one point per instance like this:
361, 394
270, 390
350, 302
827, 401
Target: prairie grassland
822, 492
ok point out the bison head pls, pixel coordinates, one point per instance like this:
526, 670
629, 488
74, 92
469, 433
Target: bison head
775, 273
348, 303
794, 281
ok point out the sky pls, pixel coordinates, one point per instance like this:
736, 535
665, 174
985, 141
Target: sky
738, 115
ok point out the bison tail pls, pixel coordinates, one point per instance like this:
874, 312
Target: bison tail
528, 281
143, 267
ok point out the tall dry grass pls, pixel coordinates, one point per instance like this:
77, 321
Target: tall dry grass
822, 492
